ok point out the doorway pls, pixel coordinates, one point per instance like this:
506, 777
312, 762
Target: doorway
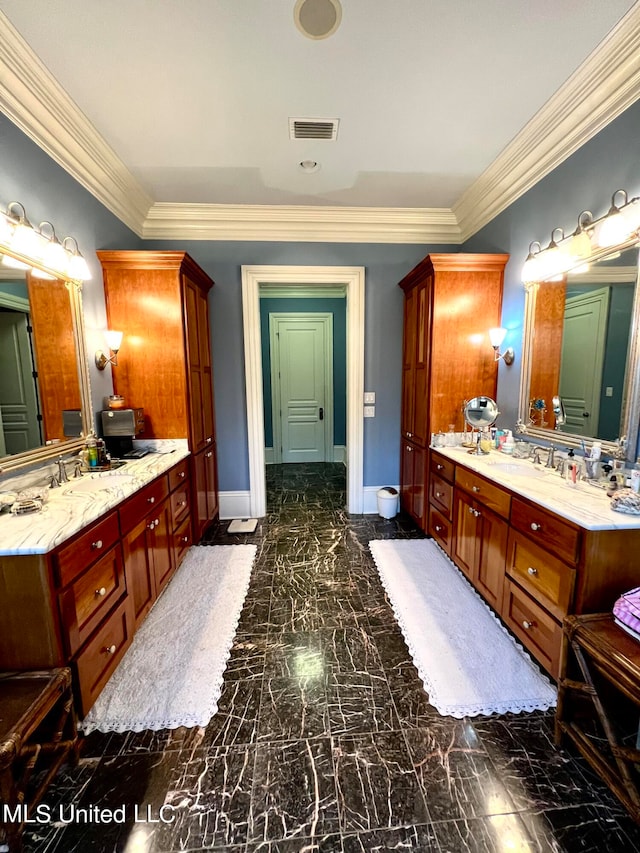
301, 370
347, 280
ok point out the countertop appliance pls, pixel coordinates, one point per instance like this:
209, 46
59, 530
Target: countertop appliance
119, 428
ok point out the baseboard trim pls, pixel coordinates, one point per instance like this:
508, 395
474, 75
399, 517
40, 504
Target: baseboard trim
235, 504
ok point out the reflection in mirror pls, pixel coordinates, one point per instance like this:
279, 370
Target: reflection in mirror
580, 347
44, 386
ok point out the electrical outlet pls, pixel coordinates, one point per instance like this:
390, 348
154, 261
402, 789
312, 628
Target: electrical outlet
369, 397
369, 411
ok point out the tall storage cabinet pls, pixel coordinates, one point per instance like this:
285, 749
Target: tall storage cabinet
160, 301
450, 303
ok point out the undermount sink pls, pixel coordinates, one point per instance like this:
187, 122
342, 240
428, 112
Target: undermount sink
99, 484
518, 469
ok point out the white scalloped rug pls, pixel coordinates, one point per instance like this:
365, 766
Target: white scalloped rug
172, 673
468, 661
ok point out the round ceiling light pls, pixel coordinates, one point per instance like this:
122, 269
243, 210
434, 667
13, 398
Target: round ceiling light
317, 19
309, 165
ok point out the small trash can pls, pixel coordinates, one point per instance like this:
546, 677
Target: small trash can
387, 502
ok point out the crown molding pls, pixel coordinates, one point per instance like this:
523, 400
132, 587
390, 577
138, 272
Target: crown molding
40, 107
300, 223
604, 86
599, 90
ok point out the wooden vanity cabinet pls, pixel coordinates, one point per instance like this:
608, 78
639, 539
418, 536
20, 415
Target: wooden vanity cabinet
449, 300
160, 301
481, 527
441, 479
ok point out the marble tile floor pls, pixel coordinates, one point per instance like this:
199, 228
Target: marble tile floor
324, 739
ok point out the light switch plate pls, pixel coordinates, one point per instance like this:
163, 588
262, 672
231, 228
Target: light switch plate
369, 411
369, 397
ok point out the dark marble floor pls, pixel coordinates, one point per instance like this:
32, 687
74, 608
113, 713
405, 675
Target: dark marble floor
324, 740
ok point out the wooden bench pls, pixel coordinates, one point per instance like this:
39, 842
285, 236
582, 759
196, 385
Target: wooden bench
599, 701
37, 735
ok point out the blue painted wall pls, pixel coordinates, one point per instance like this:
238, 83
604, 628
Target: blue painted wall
337, 308
585, 181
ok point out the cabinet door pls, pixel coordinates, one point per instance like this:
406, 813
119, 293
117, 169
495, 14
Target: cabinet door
205, 491
161, 545
466, 533
492, 555
199, 365
138, 567
413, 489
211, 470
415, 364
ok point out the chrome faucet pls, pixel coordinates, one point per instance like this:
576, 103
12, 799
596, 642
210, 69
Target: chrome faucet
62, 471
550, 451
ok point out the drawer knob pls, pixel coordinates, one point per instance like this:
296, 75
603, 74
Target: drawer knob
409, 449
409, 435
111, 650
185, 539
476, 513
535, 526
209, 454
96, 545
151, 500
475, 488
181, 474
471, 510
532, 571
439, 466
439, 494
182, 503
438, 528
102, 591
209, 440
527, 625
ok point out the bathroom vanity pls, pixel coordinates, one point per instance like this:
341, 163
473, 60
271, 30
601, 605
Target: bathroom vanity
78, 578
533, 546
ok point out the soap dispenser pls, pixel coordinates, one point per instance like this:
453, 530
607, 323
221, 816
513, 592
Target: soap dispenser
508, 444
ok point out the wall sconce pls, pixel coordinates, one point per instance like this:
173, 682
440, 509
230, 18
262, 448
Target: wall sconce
496, 336
114, 340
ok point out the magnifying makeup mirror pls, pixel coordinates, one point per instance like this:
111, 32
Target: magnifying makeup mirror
480, 413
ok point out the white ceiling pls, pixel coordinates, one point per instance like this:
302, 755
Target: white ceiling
192, 98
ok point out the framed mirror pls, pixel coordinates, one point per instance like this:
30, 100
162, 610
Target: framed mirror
45, 402
581, 356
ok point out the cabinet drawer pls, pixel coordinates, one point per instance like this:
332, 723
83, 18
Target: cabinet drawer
441, 466
102, 654
91, 596
537, 629
74, 557
487, 493
179, 505
553, 533
182, 541
142, 503
547, 579
440, 528
179, 474
441, 495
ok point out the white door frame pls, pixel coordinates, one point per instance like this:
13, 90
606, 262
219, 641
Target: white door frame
276, 388
350, 279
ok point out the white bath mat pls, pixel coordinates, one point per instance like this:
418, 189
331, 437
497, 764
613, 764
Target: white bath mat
468, 661
171, 675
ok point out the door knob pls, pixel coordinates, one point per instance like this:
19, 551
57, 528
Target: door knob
321, 413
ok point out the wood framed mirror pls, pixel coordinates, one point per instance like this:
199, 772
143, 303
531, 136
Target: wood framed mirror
45, 401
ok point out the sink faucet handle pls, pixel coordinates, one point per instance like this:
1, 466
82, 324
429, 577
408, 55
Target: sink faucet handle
54, 484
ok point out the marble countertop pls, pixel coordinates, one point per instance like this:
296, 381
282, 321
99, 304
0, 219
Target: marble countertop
584, 504
78, 503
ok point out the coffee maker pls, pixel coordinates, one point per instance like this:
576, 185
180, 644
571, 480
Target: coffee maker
119, 428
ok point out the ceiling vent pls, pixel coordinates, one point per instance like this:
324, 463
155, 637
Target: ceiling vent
313, 128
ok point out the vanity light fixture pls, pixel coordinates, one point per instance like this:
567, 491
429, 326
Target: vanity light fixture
19, 236
497, 336
620, 224
114, 340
